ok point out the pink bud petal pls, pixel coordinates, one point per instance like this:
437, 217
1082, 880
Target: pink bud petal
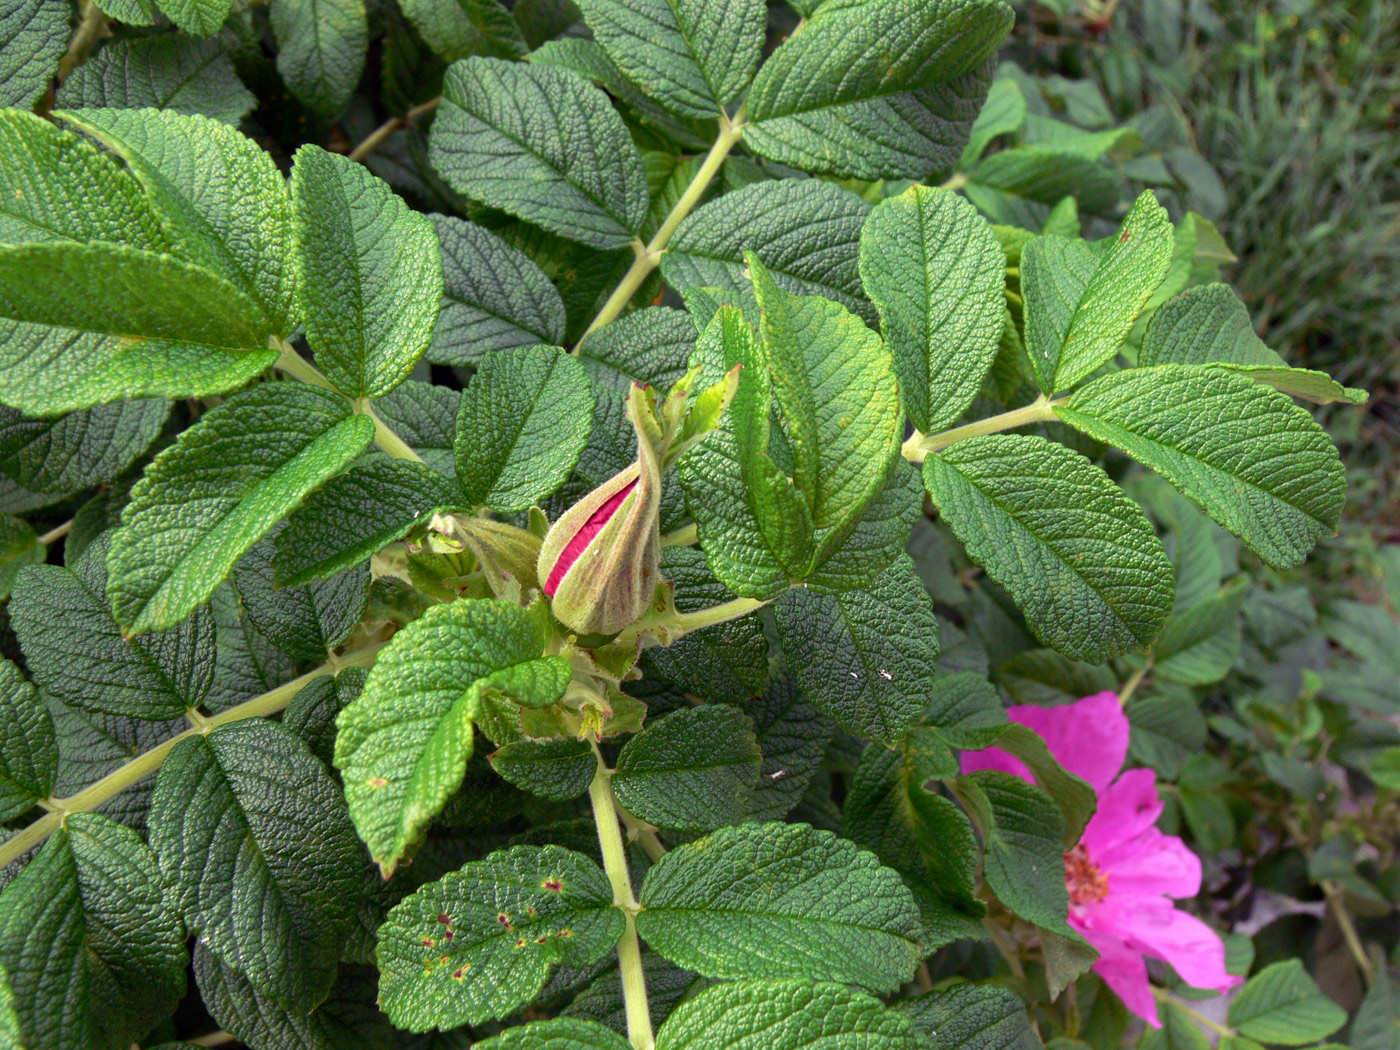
581, 539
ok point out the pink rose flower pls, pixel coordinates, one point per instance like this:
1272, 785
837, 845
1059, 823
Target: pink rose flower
1123, 873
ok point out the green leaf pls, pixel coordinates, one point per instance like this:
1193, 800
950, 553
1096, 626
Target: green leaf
403, 745
693, 770
347, 1020
33, 38
966, 711
557, 770
793, 738
692, 56
1006, 184
321, 47
864, 658
312, 712
1282, 1004
1199, 645
877, 536
18, 547
1376, 1025
837, 398
92, 745
1248, 456
806, 232
889, 810
200, 17
559, 1033
1179, 1032
370, 273
1079, 557
217, 191
170, 71
1204, 324
254, 841
1081, 301
466, 27
1022, 833
524, 418
970, 1016
1073, 796
650, 345
1002, 113
785, 1015
480, 942
781, 901
307, 621
1317, 387
74, 648
225, 482
356, 515
94, 955
852, 75
28, 748
542, 144
934, 270
495, 297
50, 459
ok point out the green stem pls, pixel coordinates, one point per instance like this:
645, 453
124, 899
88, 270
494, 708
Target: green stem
376, 138
649, 255
629, 949
730, 610
146, 763
1130, 687
56, 534
93, 25
685, 536
1041, 410
1336, 901
299, 367
1163, 996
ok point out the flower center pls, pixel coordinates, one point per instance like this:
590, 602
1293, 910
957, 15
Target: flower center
1087, 884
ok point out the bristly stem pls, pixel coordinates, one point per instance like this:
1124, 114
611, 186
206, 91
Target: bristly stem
1041, 410
649, 254
146, 763
299, 367
629, 949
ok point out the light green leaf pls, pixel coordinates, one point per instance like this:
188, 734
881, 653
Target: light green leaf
693, 770
1282, 1004
692, 56
254, 842
74, 648
94, 955
543, 144
356, 515
508, 920
972, 1016
864, 658
132, 12
33, 38
1179, 1032
321, 47
28, 749
1007, 184
934, 270
781, 901
785, 1015
889, 810
370, 273
47, 460
1022, 833
524, 418
837, 399
1078, 556
1310, 385
216, 190
1002, 113
494, 297
18, 547
806, 232
558, 1033
404, 743
307, 621
557, 770
200, 17
1200, 644
225, 482
855, 64
1204, 324
460, 28
1248, 456
170, 71
1077, 318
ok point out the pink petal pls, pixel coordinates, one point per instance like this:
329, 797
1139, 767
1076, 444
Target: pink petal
1128, 807
1151, 862
581, 539
1123, 970
1152, 926
995, 758
1088, 737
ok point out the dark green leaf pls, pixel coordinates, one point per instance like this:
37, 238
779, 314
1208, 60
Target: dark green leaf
793, 737
466, 27
28, 749
306, 621
19, 546
321, 47
558, 770
170, 71
312, 712
971, 1016
33, 37
559, 1033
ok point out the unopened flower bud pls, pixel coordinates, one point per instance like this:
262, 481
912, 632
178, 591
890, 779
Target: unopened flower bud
600, 563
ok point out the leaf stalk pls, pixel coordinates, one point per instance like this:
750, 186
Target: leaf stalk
1041, 410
